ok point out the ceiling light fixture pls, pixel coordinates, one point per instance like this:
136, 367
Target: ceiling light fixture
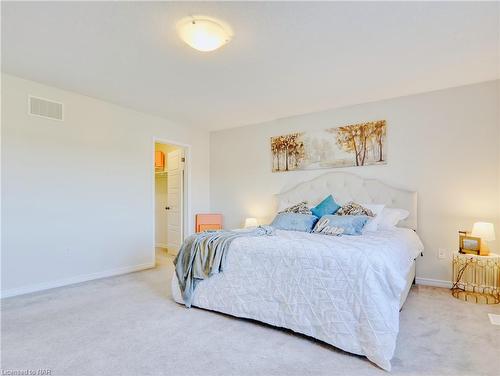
204, 33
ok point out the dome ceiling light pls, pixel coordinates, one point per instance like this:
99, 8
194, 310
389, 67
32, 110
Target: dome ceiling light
204, 33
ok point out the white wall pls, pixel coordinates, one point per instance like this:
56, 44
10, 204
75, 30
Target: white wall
78, 195
443, 144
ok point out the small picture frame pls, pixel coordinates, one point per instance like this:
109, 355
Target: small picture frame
469, 244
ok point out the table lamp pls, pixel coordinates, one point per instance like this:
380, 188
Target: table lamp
251, 222
486, 232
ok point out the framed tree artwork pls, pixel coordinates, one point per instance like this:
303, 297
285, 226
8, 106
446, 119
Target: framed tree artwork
349, 145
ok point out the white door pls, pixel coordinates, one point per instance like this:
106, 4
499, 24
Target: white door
175, 173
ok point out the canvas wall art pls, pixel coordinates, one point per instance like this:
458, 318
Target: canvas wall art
349, 145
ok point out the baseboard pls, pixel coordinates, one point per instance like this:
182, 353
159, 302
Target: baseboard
78, 279
433, 282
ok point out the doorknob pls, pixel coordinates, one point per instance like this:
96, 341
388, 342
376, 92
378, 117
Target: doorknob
167, 207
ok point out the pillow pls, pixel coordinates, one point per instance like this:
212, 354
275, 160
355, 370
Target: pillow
349, 224
323, 227
373, 222
390, 217
301, 208
351, 208
294, 222
327, 206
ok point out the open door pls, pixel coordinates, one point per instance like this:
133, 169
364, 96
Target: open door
175, 180
161, 201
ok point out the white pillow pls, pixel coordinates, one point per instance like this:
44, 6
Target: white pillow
373, 222
390, 217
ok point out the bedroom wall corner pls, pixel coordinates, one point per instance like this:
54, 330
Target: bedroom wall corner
498, 151
78, 195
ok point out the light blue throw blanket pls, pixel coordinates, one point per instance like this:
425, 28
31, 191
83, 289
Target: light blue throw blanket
203, 254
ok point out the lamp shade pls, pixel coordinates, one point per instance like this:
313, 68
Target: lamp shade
484, 230
251, 222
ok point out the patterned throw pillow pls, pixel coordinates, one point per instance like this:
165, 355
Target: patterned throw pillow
300, 208
323, 227
351, 208
341, 224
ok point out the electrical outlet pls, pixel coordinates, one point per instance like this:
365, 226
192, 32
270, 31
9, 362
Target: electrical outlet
441, 253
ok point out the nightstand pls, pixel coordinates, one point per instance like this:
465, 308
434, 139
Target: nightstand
476, 278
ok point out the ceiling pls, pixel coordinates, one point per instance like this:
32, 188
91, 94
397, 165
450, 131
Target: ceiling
284, 59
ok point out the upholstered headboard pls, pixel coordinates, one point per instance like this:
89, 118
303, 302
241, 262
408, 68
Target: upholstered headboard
346, 187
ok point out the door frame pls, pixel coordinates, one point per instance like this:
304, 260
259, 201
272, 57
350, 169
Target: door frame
187, 217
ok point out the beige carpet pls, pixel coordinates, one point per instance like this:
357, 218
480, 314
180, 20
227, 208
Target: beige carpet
129, 325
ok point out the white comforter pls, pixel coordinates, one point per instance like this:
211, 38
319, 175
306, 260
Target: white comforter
342, 290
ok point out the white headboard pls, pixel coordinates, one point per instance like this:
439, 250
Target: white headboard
346, 187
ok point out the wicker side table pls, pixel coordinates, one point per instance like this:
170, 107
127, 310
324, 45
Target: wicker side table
476, 278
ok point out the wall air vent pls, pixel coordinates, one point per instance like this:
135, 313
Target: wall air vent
45, 108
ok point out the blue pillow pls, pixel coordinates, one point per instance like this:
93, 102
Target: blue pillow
327, 206
352, 224
294, 222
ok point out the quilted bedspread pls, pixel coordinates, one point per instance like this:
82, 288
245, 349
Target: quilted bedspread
344, 290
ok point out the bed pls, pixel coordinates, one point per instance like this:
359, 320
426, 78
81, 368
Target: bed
346, 291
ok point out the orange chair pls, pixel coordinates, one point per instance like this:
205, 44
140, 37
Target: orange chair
208, 222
